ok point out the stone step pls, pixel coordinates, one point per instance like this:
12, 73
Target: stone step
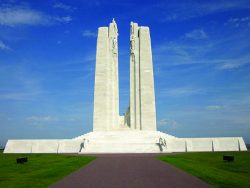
121, 148
127, 135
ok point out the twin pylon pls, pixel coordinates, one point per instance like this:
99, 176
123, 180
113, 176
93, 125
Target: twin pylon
140, 114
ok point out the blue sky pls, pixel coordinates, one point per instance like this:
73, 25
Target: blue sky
201, 56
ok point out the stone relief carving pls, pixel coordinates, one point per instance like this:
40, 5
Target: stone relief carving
114, 38
132, 38
132, 42
114, 45
115, 27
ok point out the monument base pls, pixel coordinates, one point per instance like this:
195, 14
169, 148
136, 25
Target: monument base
126, 142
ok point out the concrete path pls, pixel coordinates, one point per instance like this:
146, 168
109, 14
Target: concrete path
135, 170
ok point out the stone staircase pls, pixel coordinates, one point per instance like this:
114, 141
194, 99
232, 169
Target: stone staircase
122, 141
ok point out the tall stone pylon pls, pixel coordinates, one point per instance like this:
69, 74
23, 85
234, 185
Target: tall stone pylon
106, 95
142, 95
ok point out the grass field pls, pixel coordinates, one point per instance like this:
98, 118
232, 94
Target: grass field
41, 170
211, 168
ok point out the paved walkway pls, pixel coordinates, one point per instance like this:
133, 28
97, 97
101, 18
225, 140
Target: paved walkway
119, 171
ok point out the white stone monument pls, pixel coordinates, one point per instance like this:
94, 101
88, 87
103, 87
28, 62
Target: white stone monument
106, 102
142, 94
136, 131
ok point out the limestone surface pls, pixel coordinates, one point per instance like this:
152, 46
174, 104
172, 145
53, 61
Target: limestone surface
128, 141
135, 131
142, 96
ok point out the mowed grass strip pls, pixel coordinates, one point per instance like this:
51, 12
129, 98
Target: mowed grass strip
41, 170
211, 168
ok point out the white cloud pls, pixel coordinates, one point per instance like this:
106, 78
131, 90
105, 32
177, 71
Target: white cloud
181, 52
245, 19
22, 15
210, 51
88, 33
230, 66
64, 19
186, 10
18, 15
182, 91
237, 22
168, 123
3, 46
18, 95
18, 83
41, 118
234, 63
196, 34
63, 6
214, 107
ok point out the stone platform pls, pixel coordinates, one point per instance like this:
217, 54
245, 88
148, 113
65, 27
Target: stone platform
126, 142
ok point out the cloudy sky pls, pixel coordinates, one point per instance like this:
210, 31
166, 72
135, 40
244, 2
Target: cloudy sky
201, 56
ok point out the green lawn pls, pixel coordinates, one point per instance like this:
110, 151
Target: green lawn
211, 168
41, 170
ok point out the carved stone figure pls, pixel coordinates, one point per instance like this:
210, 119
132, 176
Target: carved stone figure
114, 45
114, 37
115, 27
132, 39
132, 42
